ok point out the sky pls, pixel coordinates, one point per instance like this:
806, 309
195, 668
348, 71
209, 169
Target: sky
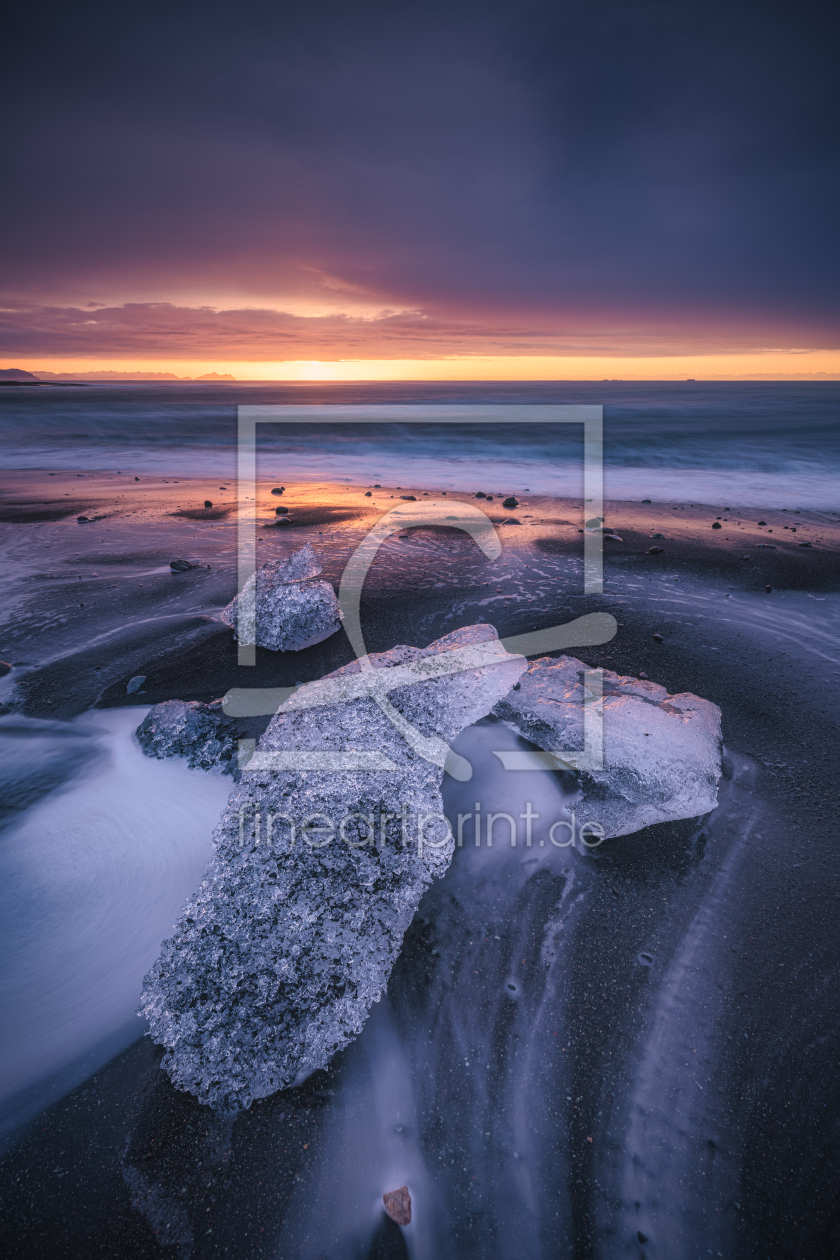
523, 190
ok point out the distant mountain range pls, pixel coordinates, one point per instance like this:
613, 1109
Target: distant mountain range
18, 374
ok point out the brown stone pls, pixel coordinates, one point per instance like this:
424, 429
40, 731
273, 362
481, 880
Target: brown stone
398, 1205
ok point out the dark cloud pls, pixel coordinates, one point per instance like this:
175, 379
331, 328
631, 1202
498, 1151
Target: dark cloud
530, 170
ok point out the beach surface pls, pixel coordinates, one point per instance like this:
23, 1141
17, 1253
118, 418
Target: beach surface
665, 1086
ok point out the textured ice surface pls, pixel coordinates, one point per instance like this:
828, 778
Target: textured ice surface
293, 608
188, 728
661, 752
277, 958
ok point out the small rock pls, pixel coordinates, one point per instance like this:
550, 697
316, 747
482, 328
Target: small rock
762, 522
657, 638
179, 566
398, 1205
135, 683
803, 544
642, 674
5, 668
409, 498
510, 502
645, 500
594, 523
278, 489
716, 525
793, 529
283, 520
655, 551
657, 535
208, 503
641, 1237
281, 511
511, 521
368, 494
83, 520
136, 478
768, 589
479, 494
376, 486
745, 557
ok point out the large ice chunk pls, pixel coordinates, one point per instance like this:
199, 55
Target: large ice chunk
661, 753
323, 853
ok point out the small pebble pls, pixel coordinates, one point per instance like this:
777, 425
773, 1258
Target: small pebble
368, 494
208, 503
409, 498
5, 667
278, 489
281, 511
510, 502
768, 589
179, 566
657, 638
398, 1205
135, 683
803, 544
479, 494
83, 520
655, 551
716, 525
645, 500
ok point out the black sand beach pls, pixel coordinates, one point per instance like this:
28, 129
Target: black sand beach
680, 1097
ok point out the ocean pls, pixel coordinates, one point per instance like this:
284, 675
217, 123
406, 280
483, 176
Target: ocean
769, 444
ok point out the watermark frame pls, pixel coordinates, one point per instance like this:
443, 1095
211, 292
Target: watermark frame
590, 629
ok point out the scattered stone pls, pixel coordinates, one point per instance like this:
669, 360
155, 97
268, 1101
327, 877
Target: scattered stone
746, 557
510, 502
283, 520
278, 956
655, 551
368, 494
657, 535
657, 638
716, 525
83, 520
614, 537
640, 1236
278, 489
803, 544
135, 683
479, 494
594, 522
136, 478
208, 503
511, 520
793, 529
5, 668
661, 752
409, 498
646, 500
294, 610
281, 511
769, 546
762, 522
179, 566
768, 590
376, 486
188, 728
398, 1205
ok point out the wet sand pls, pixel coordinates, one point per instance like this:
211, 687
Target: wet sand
700, 1087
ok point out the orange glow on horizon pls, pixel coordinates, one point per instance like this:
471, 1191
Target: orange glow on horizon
782, 364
